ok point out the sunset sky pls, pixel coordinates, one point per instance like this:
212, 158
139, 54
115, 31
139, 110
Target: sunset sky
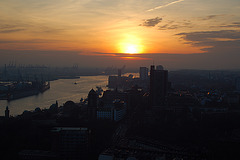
179, 34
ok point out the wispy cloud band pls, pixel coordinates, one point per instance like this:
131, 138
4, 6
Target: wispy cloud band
158, 7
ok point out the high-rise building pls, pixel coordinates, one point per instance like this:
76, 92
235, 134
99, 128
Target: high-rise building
143, 73
115, 111
158, 85
159, 67
7, 112
92, 104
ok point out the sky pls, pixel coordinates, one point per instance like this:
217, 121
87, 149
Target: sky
178, 34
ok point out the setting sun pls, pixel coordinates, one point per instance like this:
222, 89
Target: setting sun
131, 49
130, 44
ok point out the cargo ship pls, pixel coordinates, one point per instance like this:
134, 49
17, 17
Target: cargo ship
21, 94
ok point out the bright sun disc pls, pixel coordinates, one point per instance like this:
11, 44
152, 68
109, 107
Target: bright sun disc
130, 45
131, 49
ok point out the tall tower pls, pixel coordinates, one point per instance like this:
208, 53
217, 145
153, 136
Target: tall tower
57, 104
158, 85
92, 105
7, 112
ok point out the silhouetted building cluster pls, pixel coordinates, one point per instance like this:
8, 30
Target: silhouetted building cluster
114, 111
137, 118
110, 107
127, 82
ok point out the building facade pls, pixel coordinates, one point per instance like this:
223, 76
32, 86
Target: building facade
158, 86
114, 112
92, 105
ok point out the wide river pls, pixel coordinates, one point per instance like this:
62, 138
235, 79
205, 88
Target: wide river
61, 90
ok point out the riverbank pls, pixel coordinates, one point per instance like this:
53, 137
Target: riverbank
61, 90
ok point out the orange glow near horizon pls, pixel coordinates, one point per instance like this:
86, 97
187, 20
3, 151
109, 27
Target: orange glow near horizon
130, 45
134, 43
134, 58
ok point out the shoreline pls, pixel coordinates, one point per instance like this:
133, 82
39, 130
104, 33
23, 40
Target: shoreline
61, 90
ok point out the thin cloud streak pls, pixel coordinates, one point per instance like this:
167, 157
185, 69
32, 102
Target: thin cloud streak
158, 7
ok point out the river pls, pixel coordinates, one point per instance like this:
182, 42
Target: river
61, 90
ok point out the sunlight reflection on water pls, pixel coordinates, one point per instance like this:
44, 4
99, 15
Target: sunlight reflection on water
61, 90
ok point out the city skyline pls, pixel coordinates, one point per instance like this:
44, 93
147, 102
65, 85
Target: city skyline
180, 34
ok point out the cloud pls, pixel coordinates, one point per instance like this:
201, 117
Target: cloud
223, 41
31, 44
176, 25
151, 22
162, 6
6, 26
11, 30
214, 21
29, 41
29, 26
210, 35
233, 25
209, 17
